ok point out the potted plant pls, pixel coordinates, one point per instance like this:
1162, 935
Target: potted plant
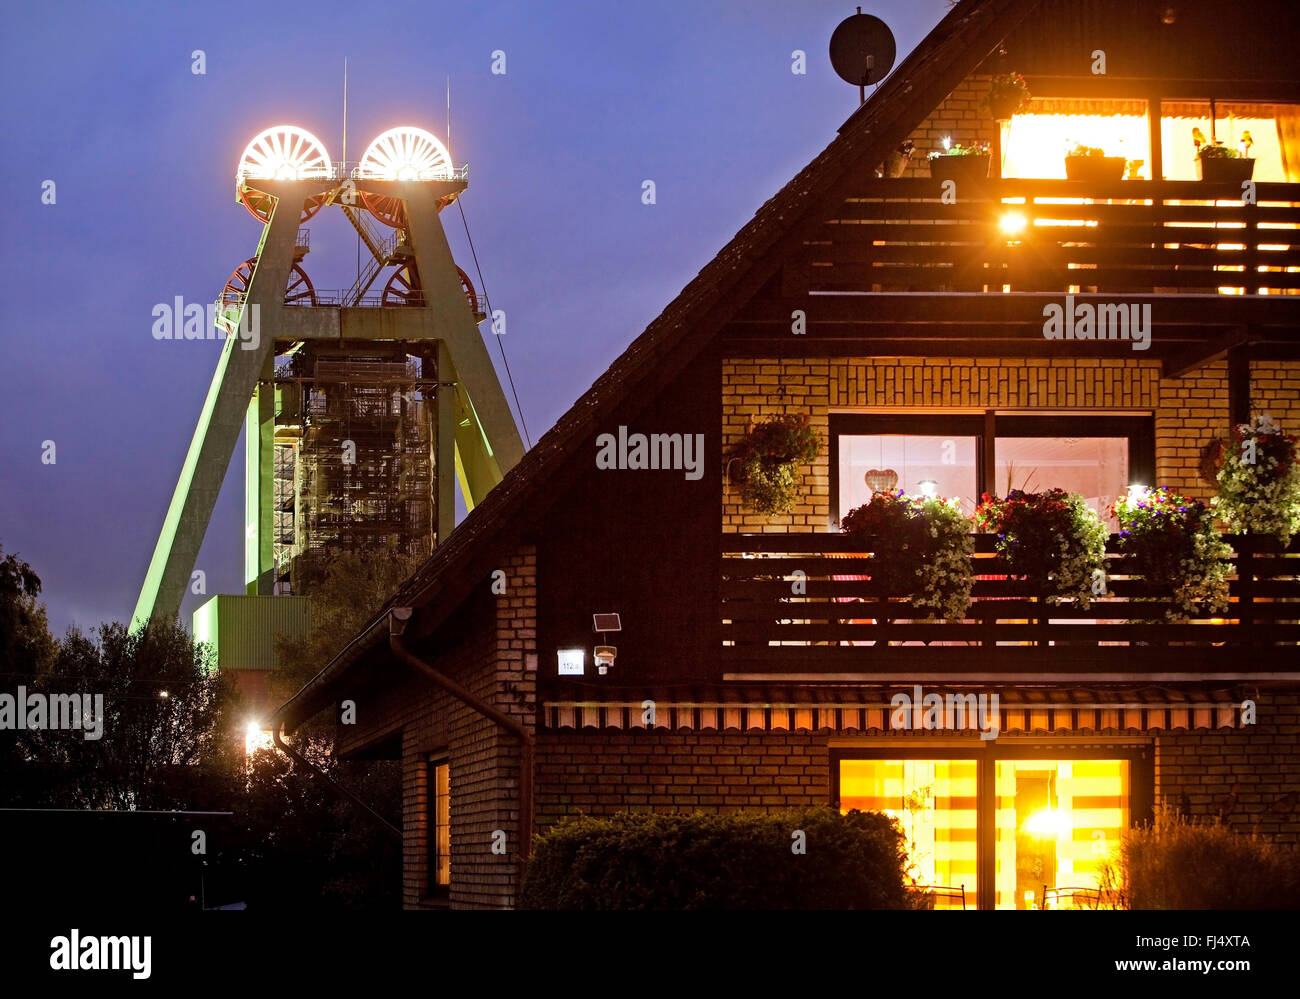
1170, 541
1090, 163
1259, 481
1052, 539
920, 550
958, 162
895, 164
1221, 165
766, 458
1008, 94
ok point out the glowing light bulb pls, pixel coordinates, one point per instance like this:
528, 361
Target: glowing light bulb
1047, 823
1013, 223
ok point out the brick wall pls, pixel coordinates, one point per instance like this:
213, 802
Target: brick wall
1202, 771
958, 118
1189, 411
487, 651
598, 773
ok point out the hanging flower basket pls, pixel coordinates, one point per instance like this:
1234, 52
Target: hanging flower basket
1052, 539
763, 462
1007, 95
920, 550
1259, 481
1170, 541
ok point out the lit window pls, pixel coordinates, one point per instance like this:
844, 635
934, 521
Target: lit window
1056, 823
439, 826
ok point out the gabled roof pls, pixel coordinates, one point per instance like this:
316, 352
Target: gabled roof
950, 52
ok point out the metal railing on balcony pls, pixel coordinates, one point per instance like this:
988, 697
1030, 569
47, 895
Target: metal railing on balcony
341, 170
835, 612
1131, 236
346, 297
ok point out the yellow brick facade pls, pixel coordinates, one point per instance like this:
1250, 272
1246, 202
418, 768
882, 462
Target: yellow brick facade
1188, 411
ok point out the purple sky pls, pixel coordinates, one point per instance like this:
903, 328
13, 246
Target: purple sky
597, 97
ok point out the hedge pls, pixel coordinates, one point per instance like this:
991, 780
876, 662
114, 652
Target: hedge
704, 860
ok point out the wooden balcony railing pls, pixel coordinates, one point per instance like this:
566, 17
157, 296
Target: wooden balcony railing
1125, 237
834, 616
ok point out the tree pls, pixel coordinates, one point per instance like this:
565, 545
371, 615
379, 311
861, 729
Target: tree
354, 588
164, 707
305, 842
26, 645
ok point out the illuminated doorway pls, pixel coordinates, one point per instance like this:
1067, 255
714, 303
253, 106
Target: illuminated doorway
1058, 821
1012, 828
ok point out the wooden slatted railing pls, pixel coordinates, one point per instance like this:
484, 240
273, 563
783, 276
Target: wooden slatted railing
1128, 236
768, 609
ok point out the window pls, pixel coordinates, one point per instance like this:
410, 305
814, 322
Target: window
1058, 821
934, 803
1096, 456
947, 462
1016, 827
439, 831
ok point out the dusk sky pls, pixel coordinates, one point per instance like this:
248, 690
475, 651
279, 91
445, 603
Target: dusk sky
596, 98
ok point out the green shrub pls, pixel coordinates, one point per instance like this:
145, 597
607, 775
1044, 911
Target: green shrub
1179, 863
710, 861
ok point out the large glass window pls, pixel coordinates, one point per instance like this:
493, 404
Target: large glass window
946, 464
1095, 467
947, 455
1036, 144
1058, 821
1054, 823
934, 803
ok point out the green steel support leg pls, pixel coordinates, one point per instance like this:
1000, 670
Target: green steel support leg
491, 445
221, 420
445, 458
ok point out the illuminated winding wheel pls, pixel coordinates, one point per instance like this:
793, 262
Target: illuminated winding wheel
467, 287
405, 153
403, 288
388, 210
259, 205
299, 292
282, 152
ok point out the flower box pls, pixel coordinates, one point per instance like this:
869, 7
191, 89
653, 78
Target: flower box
1095, 169
1224, 169
967, 167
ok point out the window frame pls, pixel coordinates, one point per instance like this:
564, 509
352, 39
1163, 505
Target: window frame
986, 428
434, 890
1139, 754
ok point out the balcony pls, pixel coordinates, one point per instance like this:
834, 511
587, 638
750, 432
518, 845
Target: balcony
834, 621
1123, 238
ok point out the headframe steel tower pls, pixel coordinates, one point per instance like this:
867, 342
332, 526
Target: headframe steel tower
357, 405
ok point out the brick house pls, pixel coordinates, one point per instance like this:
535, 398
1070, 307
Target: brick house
924, 334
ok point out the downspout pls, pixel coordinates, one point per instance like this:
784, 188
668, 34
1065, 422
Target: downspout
334, 785
398, 618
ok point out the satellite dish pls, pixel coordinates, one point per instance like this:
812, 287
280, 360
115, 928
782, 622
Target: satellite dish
862, 49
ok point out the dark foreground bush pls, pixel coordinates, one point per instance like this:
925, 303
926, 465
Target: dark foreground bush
1178, 863
709, 861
